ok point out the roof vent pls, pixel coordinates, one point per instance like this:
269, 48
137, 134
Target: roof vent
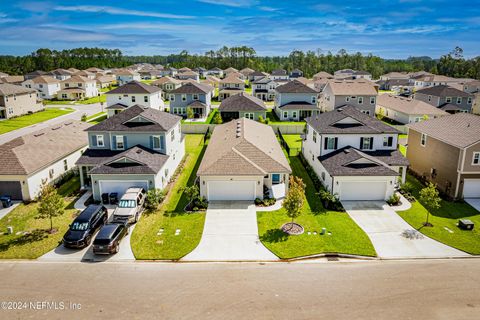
56, 128
39, 134
139, 151
346, 151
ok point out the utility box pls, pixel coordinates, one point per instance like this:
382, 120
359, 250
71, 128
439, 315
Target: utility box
465, 224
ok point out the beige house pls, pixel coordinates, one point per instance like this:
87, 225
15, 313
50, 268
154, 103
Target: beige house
17, 100
230, 86
446, 151
167, 84
77, 88
105, 81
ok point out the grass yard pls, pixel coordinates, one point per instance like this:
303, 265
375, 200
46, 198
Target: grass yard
402, 148
98, 114
273, 119
31, 119
294, 141
445, 217
38, 241
58, 102
92, 100
97, 120
147, 81
346, 236
146, 244
209, 119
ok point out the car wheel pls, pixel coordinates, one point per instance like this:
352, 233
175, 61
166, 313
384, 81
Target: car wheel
88, 240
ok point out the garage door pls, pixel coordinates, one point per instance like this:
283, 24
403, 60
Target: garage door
471, 188
11, 188
120, 186
231, 190
353, 190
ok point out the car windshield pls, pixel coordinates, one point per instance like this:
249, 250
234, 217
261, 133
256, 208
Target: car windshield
127, 204
79, 226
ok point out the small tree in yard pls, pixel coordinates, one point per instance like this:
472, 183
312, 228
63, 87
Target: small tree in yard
84, 117
295, 198
192, 193
190, 113
154, 198
430, 198
217, 119
51, 203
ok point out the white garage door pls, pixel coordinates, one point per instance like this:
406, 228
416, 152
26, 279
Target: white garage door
231, 190
352, 190
471, 188
120, 186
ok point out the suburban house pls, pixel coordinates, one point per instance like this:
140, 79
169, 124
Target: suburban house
361, 94
73, 70
60, 74
17, 100
243, 158
229, 70
257, 75
184, 69
395, 76
446, 151
140, 147
279, 74
169, 71
201, 71
322, 75
12, 79
42, 156
193, 95
46, 86
354, 155
230, 86
35, 74
362, 75
246, 72
148, 74
446, 98
217, 72
406, 110
242, 105
471, 86
295, 101
188, 75
131, 94
125, 76
431, 80
77, 88
85, 74
296, 73
95, 70
105, 81
167, 84
212, 81
398, 86
264, 89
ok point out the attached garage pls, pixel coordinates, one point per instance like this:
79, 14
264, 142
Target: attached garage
230, 190
109, 186
11, 188
471, 188
363, 190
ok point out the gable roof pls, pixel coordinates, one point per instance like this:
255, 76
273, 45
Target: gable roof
279, 72
194, 87
230, 69
159, 121
243, 147
61, 72
126, 72
134, 87
44, 79
7, 89
348, 120
408, 106
443, 91
263, 80
258, 74
294, 86
164, 80
77, 78
246, 71
322, 75
242, 102
231, 78
352, 87
460, 129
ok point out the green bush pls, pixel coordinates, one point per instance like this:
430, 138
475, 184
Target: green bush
154, 198
84, 117
394, 200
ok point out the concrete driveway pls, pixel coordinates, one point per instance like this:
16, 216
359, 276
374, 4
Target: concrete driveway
230, 234
475, 203
385, 229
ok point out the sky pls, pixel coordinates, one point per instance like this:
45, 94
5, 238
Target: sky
390, 29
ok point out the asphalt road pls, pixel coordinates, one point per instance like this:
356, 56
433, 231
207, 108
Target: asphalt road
89, 109
422, 289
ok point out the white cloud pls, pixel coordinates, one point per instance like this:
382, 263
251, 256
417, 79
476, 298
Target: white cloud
230, 3
120, 11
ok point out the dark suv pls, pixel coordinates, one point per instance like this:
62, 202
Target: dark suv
109, 237
80, 233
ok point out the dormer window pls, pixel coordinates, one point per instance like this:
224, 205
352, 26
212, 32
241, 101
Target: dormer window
387, 141
100, 142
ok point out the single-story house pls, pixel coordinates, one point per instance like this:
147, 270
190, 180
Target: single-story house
242, 105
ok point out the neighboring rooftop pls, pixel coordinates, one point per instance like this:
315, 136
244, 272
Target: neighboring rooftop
242, 102
7, 89
443, 91
408, 106
352, 87
135, 87
193, 87
294, 86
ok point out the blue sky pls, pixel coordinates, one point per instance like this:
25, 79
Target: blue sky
391, 29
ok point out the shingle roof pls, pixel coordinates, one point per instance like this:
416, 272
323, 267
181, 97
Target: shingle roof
263, 80
279, 72
125, 72
242, 102
331, 122
117, 106
408, 106
193, 87
258, 74
45, 79
352, 87
232, 79
32, 152
158, 121
322, 75
246, 71
134, 87
164, 80
230, 69
443, 91
295, 86
76, 79
61, 72
37, 73
298, 105
460, 129
12, 79
7, 89
243, 147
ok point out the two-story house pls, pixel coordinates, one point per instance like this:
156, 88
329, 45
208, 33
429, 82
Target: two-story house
246, 72
140, 147
85, 74
167, 84
201, 71
361, 94
279, 74
295, 101
169, 71
77, 88
229, 70
354, 155
196, 96
446, 151
446, 98
126, 76
61, 74
17, 100
322, 75
264, 89
188, 75
217, 72
257, 75
46, 86
230, 86
296, 73
131, 94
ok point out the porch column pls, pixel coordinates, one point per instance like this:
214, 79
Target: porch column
404, 174
80, 170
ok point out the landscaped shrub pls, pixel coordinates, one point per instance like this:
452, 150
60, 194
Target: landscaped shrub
394, 200
84, 117
266, 202
330, 201
260, 119
154, 198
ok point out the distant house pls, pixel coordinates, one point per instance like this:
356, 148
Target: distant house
169, 71
406, 110
242, 105
105, 81
446, 151
94, 70
61, 74
349, 74
471, 86
279, 74
184, 69
254, 76
17, 100
125, 76
230, 86
201, 71
361, 94
34, 74
217, 72
85, 74
296, 73
446, 98
187, 75
140, 147
264, 89
229, 70
246, 72
362, 75
42, 156
12, 79
167, 84
148, 74
212, 81
46, 86
295, 101
322, 75
134, 93
77, 88
398, 86
431, 80
192, 95
395, 76
73, 70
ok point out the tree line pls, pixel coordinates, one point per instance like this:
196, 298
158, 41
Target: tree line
452, 64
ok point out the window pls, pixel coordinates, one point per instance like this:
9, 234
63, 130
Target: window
195, 97
448, 99
51, 173
157, 142
65, 165
372, 100
387, 141
360, 100
429, 98
100, 142
347, 99
469, 100
172, 135
119, 143
133, 98
67, 85
172, 97
476, 158
331, 143
145, 98
366, 143
248, 115
294, 114
315, 136
366, 112
423, 139
459, 100
285, 114
314, 99
184, 97
275, 178
64, 96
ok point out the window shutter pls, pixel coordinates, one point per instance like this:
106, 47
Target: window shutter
336, 143
114, 139
125, 143
325, 143
371, 143
151, 142
162, 142
94, 140
390, 141
361, 143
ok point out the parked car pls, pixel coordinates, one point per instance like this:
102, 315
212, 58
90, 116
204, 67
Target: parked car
109, 237
130, 206
80, 233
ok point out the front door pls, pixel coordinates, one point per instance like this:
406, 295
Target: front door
305, 114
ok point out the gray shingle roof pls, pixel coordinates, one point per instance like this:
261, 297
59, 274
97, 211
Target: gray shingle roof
298, 105
135, 87
408, 106
443, 91
242, 102
295, 86
279, 72
193, 87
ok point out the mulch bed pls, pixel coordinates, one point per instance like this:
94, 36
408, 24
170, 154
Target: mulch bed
292, 228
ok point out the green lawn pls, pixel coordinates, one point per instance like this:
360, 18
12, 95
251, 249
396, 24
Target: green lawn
294, 141
98, 114
56, 102
445, 217
273, 119
147, 81
97, 120
38, 241
30, 119
92, 100
402, 148
346, 236
146, 244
